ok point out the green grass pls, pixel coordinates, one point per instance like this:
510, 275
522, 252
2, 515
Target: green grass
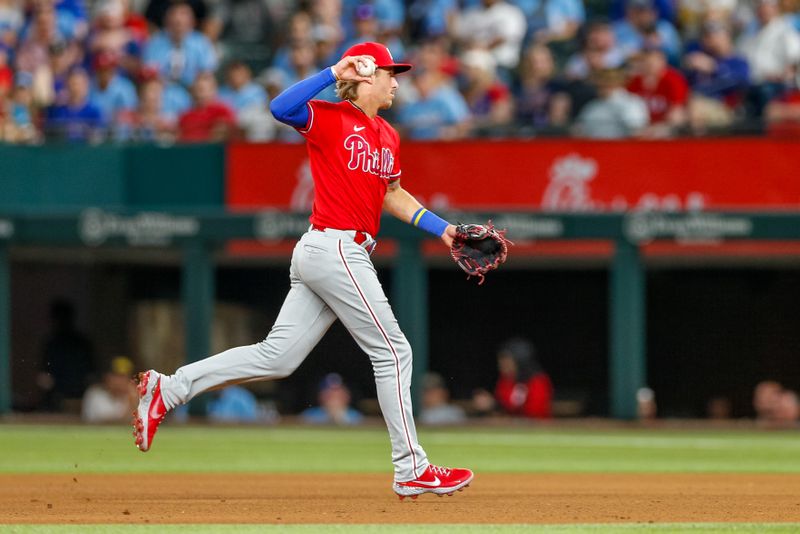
707, 528
70, 449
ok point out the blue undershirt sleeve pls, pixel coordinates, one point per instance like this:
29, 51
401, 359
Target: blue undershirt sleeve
290, 107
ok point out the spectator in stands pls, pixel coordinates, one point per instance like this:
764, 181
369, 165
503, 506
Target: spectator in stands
179, 51
12, 19
766, 397
436, 406
774, 405
51, 84
434, 55
791, 12
19, 124
327, 41
300, 65
67, 359
429, 19
135, 22
719, 408
646, 406
666, 9
240, 91
235, 404
77, 120
772, 50
327, 31
249, 100
552, 22
299, 29
640, 25
156, 11
717, 76
209, 119
599, 50
71, 17
334, 404
110, 34
489, 100
541, 100
438, 111
6, 73
244, 30
174, 99
114, 398
367, 28
693, 15
664, 90
523, 387
615, 113
390, 16
111, 92
788, 408
151, 121
497, 26
34, 49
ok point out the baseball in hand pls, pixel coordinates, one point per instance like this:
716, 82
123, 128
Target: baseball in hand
365, 67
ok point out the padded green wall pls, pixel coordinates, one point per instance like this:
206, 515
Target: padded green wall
67, 177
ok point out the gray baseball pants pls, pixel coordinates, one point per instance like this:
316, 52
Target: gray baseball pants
331, 277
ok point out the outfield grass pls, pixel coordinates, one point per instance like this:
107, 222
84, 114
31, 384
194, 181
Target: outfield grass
67, 449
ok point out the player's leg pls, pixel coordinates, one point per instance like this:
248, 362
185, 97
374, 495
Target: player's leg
351, 288
303, 320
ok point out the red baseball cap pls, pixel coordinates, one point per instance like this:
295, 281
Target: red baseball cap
383, 58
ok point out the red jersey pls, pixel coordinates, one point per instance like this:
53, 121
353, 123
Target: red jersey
671, 90
532, 399
353, 158
198, 124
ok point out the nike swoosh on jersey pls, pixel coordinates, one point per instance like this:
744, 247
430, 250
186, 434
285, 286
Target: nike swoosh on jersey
358, 128
435, 483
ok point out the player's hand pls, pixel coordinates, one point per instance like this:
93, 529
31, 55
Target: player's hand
346, 69
448, 235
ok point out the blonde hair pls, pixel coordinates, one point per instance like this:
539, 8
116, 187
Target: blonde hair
347, 89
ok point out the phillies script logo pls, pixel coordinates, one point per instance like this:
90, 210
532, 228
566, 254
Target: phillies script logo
362, 156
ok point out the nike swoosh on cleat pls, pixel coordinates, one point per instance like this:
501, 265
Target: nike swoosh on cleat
153, 412
358, 128
436, 482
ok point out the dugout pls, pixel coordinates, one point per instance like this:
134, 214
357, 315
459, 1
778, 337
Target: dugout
607, 302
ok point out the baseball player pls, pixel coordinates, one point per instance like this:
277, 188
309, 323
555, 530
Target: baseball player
355, 161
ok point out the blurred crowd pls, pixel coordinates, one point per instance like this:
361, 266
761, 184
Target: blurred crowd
163, 71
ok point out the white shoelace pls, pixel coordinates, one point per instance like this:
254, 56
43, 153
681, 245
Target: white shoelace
440, 470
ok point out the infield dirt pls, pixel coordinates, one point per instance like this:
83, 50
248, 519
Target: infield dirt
367, 498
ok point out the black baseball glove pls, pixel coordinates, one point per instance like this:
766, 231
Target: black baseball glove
478, 249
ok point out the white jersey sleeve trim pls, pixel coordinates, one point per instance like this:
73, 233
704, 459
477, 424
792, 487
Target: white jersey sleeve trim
310, 119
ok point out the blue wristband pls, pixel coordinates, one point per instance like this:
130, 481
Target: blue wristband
429, 221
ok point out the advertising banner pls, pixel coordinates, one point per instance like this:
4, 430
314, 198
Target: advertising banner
550, 175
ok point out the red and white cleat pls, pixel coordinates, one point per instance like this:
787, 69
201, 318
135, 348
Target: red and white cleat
437, 480
150, 412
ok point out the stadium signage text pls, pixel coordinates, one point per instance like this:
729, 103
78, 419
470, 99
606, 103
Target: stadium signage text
521, 226
96, 226
644, 227
272, 225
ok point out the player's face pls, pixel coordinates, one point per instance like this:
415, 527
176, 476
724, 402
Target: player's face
385, 87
